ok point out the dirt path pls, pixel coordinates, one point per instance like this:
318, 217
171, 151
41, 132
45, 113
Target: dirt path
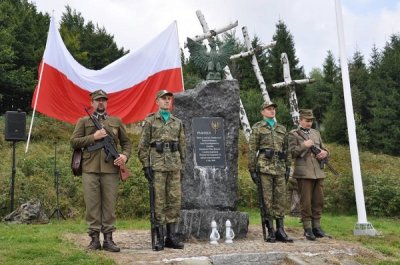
136, 249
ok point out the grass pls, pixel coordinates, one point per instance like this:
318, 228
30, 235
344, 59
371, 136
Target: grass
44, 244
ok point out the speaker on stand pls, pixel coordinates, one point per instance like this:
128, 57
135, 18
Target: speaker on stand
14, 130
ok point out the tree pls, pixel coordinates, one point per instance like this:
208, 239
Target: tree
333, 112
91, 45
273, 70
384, 86
21, 47
359, 77
318, 95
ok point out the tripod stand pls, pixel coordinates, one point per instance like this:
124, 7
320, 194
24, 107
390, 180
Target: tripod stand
57, 210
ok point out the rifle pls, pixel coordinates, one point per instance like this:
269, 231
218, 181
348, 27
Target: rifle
152, 216
322, 162
263, 210
109, 148
157, 231
287, 175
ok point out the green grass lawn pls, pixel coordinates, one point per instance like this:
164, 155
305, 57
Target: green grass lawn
43, 244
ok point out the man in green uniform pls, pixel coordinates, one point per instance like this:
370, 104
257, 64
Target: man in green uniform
100, 178
309, 175
162, 150
268, 160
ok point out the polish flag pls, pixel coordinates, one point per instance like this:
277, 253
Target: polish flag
131, 82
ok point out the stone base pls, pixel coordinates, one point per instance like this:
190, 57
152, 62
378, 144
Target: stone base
197, 223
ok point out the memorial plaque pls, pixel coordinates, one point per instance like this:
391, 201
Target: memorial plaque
209, 141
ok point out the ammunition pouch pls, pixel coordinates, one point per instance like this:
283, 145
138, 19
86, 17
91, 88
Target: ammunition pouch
269, 153
173, 146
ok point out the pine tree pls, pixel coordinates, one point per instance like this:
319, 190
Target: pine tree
273, 70
359, 76
384, 86
333, 110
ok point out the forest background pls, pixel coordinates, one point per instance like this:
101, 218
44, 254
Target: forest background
375, 89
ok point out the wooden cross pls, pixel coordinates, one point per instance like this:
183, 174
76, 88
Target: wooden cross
291, 85
251, 52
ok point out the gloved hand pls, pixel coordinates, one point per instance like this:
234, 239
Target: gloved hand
148, 173
254, 177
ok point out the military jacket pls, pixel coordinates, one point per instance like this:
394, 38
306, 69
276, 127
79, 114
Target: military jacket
265, 137
155, 129
83, 136
306, 164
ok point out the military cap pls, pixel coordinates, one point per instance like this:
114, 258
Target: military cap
306, 114
98, 94
267, 104
162, 93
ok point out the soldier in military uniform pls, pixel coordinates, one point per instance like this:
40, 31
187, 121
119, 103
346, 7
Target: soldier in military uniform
268, 162
100, 178
309, 175
162, 153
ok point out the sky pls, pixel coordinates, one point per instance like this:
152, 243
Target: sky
312, 23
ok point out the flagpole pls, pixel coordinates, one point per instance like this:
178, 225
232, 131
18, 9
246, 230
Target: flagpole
177, 38
34, 107
362, 227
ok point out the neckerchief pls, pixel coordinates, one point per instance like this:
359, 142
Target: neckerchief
165, 114
270, 122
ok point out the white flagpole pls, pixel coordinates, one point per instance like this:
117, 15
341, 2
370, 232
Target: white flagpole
34, 107
177, 37
38, 90
363, 227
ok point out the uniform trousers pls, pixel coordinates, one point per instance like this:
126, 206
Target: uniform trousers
274, 193
100, 191
311, 199
167, 196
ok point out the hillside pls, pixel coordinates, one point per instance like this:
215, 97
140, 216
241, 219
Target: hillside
50, 139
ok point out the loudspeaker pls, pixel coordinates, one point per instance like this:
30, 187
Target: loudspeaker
15, 126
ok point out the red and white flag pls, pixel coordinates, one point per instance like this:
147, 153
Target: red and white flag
131, 81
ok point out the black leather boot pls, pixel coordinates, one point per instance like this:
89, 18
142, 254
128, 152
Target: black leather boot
280, 232
108, 243
308, 233
172, 241
271, 232
159, 245
95, 242
318, 232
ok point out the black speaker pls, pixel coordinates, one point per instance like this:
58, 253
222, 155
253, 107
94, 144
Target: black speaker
15, 126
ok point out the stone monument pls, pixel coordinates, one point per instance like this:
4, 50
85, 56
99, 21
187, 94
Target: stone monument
210, 113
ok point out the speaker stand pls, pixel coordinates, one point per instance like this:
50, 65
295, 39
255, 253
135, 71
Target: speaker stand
57, 211
12, 187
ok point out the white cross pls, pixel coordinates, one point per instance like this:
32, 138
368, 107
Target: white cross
291, 85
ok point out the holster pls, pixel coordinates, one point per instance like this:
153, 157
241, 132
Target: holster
76, 162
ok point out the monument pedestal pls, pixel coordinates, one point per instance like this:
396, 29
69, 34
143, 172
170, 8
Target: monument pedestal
210, 114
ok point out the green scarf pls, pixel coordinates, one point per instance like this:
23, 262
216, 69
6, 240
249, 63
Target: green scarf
270, 122
165, 114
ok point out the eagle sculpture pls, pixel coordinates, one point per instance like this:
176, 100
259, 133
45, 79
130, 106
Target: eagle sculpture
210, 61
